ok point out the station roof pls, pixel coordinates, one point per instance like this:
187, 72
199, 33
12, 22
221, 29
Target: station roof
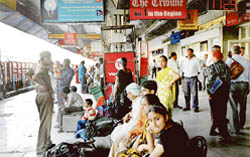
27, 17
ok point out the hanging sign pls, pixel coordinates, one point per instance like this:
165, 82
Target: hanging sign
222, 5
191, 22
232, 18
157, 9
70, 39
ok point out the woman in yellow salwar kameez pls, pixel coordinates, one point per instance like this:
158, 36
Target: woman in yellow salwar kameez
166, 79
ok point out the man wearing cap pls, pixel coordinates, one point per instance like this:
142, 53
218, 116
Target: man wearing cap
239, 90
44, 102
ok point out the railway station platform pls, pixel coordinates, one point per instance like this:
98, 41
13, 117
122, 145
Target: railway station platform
19, 124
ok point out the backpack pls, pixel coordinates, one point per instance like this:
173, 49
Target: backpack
100, 127
236, 69
64, 149
197, 147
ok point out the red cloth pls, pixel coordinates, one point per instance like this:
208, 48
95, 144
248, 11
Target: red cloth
76, 73
217, 54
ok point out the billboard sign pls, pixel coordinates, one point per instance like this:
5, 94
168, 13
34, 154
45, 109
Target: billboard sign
155, 9
72, 11
112, 64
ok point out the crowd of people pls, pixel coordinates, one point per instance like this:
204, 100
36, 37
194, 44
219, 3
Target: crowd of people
147, 110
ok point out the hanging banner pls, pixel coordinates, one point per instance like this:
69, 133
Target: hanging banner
9, 3
232, 18
157, 9
112, 64
72, 11
222, 5
191, 22
70, 39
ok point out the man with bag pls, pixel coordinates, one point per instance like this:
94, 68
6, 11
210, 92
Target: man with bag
239, 89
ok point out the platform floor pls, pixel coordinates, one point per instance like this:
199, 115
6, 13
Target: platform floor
19, 127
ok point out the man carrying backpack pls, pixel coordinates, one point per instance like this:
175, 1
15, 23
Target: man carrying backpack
239, 90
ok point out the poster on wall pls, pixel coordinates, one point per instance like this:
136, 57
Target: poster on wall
72, 11
152, 9
112, 64
222, 4
191, 22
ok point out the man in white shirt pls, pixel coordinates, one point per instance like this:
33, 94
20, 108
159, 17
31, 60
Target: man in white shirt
72, 102
239, 90
191, 69
172, 63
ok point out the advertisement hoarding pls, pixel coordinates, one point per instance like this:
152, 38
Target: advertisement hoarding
155, 9
112, 65
72, 11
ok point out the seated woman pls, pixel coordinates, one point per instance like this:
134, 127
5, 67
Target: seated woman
125, 142
131, 118
170, 138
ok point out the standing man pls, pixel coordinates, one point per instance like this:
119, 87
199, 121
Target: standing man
242, 51
82, 73
191, 69
64, 81
173, 64
101, 72
239, 90
203, 67
44, 102
154, 69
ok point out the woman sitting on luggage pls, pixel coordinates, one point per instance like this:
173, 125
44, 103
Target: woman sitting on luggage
170, 138
125, 142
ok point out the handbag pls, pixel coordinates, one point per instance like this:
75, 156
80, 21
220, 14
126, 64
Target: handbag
236, 69
217, 83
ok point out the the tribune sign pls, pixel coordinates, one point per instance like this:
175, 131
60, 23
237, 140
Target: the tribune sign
157, 9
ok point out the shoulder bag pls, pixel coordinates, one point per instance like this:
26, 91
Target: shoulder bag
236, 69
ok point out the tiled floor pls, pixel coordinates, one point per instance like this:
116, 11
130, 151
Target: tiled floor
19, 127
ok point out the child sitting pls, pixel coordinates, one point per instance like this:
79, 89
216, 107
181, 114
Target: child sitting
171, 139
89, 115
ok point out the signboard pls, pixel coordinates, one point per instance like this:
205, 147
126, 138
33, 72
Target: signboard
232, 18
72, 11
222, 5
9, 3
175, 38
112, 65
191, 22
70, 39
246, 14
155, 9
78, 36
